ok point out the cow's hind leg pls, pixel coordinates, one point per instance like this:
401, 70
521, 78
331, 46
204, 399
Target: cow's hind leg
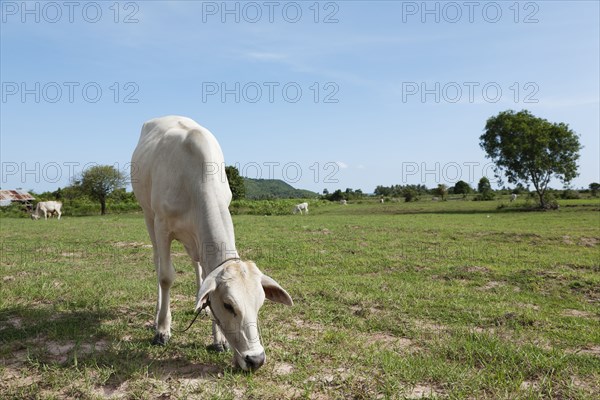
166, 276
150, 227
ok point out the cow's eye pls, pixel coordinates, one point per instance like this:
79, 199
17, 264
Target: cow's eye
229, 308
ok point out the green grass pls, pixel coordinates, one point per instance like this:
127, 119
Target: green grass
455, 299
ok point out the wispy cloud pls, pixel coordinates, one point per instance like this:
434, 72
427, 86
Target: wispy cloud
342, 164
266, 56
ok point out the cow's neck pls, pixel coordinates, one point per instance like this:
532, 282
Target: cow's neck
218, 247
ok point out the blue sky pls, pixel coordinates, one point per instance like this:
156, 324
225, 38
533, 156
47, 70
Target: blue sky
323, 95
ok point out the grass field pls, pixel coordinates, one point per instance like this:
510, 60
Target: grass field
448, 299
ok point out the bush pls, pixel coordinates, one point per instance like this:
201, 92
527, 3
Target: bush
550, 200
485, 196
410, 195
570, 194
14, 210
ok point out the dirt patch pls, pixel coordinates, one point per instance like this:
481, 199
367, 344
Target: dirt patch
529, 386
361, 311
585, 385
15, 322
592, 350
15, 378
323, 231
567, 240
113, 391
314, 326
477, 269
60, 351
528, 306
576, 313
491, 285
71, 255
132, 245
423, 391
331, 377
283, 368
429, 326
387, 340
589, 242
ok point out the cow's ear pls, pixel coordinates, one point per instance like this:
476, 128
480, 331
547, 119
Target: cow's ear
208, 286
274, 292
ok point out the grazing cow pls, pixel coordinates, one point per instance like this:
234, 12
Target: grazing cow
513, 197
299, 208
381, 201
176, 179
47, 208
343, 202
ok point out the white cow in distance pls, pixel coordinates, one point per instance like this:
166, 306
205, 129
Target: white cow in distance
175, 178
47, 208
513, 197
301, 208
344, 202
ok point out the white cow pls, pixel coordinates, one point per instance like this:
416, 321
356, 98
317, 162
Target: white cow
48, 208
343, 202
381, 201
299, 208
176, 179
513, 197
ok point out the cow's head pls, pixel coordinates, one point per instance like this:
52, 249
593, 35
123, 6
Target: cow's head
35, 217
235, 292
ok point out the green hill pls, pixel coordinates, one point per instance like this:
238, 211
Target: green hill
273, 189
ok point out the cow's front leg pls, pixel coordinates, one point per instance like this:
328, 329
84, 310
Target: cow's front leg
220, 343
198, 269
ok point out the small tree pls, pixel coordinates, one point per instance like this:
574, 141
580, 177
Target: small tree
441, 190
485, 190
236, 183
99, 182
531, 149
594, 188
336, 196
462, 187
410, 194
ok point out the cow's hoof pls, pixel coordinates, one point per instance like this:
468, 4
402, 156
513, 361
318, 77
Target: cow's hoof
160, 339
218, 347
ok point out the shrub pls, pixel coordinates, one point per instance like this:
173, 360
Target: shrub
485, 196
14, 210
570, 194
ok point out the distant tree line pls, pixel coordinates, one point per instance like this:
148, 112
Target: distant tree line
348, 194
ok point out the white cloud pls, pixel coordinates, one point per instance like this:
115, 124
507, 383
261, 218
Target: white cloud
266, 56
341, 164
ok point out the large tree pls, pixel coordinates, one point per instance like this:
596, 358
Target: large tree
530, 149
236, 182
462, 187
99, 182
